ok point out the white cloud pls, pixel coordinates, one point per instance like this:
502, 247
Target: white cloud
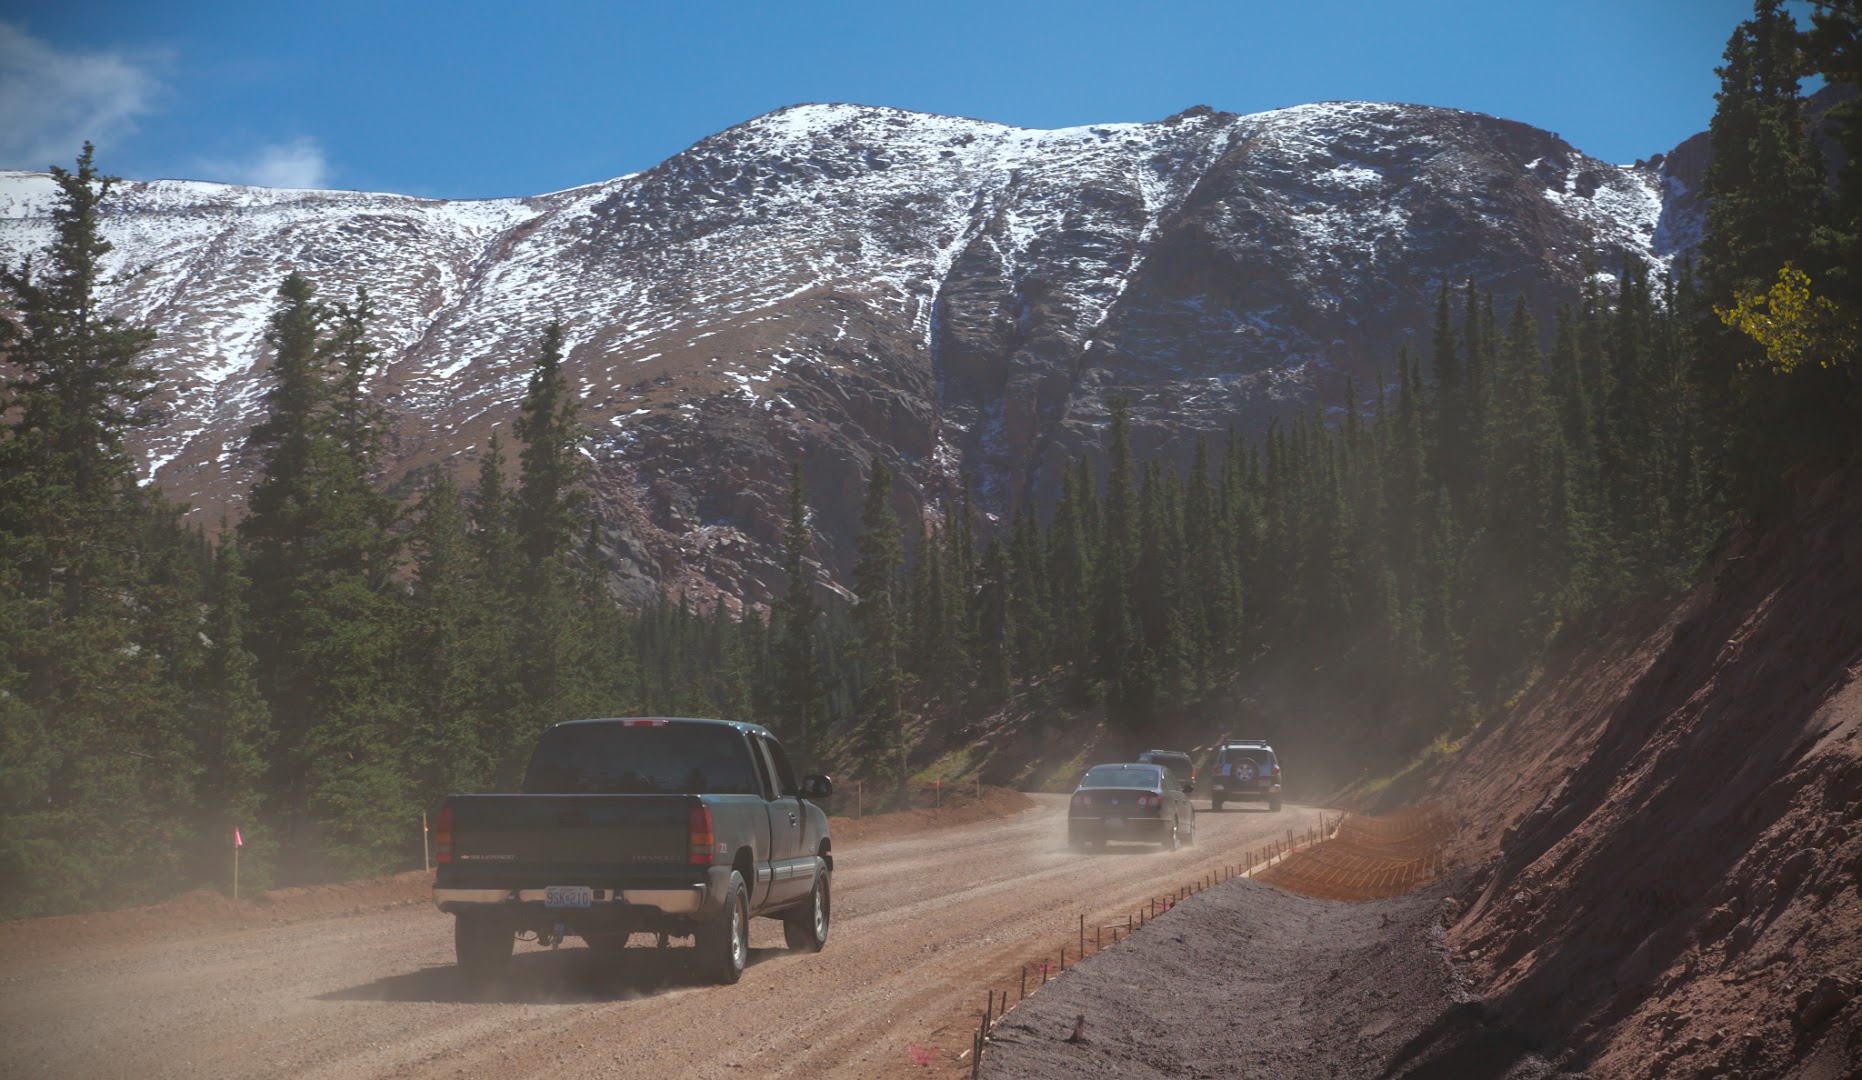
298, 163
51, 101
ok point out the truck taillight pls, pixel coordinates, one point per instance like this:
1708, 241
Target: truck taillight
701, 837
443, 836
1276, 770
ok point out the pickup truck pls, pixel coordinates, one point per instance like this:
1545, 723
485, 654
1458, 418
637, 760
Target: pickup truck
673, 827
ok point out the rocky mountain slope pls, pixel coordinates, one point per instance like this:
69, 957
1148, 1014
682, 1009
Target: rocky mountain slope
828, 282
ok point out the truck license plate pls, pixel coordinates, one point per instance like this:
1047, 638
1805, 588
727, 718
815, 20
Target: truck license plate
568, 896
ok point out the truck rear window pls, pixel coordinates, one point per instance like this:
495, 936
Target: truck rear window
612, 759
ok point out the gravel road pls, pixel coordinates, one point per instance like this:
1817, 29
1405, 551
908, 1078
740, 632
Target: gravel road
923, 923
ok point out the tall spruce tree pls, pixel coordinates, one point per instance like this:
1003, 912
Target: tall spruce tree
875, 619
800, 686
322, 554
97, 624
545, 525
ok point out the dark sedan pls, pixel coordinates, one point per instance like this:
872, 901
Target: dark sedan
1141, 803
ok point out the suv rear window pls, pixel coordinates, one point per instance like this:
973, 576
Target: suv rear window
1179, 764
617, 759
1237, 753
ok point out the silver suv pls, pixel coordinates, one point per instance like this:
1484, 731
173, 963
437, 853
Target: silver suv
1245, 769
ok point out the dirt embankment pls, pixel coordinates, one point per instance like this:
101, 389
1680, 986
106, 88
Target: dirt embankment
1669, 828
1247, 979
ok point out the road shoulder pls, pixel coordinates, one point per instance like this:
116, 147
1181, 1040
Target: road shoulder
1246, 979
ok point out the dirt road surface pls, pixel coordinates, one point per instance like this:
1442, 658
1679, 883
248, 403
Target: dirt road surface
923, 923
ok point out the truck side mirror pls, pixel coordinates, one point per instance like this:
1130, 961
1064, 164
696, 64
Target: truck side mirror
816, 786
1189, 786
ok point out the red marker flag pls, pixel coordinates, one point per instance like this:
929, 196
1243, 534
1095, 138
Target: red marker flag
237, 842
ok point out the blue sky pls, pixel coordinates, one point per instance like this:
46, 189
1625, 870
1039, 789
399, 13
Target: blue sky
468, 99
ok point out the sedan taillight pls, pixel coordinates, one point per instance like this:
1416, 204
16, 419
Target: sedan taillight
1082, 800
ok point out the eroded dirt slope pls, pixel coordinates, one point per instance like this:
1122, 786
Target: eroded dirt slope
1670, 826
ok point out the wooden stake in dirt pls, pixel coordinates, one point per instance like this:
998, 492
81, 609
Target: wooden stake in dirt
1063, 958
1082, 936
1024, 982
237, 844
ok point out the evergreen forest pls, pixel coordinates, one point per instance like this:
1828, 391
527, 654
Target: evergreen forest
320, 672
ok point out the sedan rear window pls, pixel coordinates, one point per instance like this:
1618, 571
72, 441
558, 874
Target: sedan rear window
1126, 776
617, 759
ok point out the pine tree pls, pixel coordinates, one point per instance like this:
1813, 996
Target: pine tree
549, 491
1765, 181
800, 694
234, 729
452, 704
322, 554
875, 619
995, 629
1120, 664
545, 521
94, 772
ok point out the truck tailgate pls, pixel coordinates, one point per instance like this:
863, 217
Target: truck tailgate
613, 835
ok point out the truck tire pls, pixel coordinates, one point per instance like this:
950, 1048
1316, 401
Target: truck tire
1215, 805
482, 946
806, 928
723, 945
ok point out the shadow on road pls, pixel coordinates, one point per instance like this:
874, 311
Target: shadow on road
1117, 847
565, 976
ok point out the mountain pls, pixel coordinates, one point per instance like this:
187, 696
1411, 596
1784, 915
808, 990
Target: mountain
827, 282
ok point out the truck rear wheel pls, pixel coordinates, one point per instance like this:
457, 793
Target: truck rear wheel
723, 945
806, 927
482, 946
